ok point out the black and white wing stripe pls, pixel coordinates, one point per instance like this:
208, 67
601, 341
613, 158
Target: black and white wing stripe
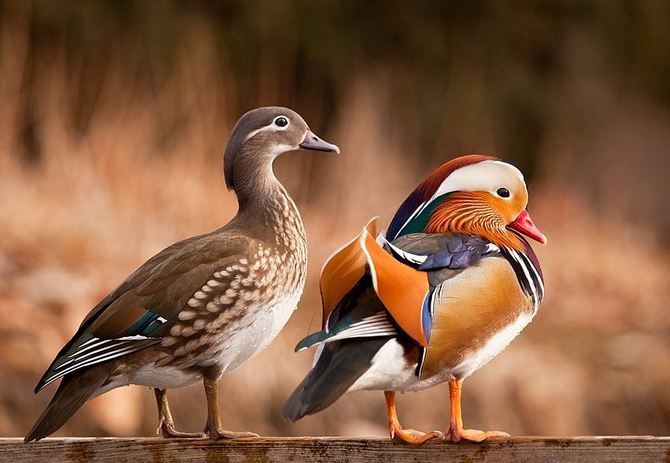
404, 255
529, 277
372, 326
91, 352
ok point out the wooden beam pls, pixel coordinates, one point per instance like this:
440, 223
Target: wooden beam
336, 450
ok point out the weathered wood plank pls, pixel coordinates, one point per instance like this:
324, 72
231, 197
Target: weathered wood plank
337, 450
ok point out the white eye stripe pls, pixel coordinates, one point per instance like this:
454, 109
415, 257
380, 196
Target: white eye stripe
253, 133
483, 176
272, 126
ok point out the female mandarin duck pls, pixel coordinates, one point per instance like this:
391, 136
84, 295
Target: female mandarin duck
205, 305
451, 284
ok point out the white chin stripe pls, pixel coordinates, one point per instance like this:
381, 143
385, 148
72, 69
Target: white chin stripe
283, 148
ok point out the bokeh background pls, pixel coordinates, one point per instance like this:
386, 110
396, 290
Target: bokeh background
114, 116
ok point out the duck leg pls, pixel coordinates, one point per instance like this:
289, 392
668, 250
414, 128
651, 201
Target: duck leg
165, 423
411, 436
455, 433
214, 428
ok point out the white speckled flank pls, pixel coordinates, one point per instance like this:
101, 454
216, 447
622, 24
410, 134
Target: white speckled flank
243, 305
236, 313
262, 326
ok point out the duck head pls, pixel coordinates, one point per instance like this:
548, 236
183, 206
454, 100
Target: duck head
474, 194
259, 137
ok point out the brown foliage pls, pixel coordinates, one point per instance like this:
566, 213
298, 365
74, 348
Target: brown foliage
145, 170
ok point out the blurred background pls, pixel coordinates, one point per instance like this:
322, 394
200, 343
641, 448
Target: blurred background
113, 120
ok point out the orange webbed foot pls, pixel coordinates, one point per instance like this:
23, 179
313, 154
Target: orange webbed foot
412, 436
398, 434
456, 433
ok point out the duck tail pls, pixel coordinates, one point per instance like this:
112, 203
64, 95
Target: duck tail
338, 367
72, 392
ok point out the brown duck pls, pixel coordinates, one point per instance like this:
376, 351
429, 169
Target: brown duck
205, 305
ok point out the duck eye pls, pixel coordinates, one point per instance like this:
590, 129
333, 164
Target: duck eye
281, 121
503, 192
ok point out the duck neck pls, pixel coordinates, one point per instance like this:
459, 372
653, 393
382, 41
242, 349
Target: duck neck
255, 182
264, 204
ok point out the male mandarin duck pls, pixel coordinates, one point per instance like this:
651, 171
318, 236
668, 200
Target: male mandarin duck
205, 305
445, 290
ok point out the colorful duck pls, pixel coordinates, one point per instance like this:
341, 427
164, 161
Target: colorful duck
450, 284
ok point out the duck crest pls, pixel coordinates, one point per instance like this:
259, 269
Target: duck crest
414, 213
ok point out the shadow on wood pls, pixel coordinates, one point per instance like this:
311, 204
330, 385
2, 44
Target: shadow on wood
518, 449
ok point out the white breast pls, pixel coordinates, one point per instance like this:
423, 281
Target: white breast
390, 371
253, 333
495, 345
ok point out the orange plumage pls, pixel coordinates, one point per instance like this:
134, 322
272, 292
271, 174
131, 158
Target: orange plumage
445, 290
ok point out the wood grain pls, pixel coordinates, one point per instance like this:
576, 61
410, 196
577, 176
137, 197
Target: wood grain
337, 450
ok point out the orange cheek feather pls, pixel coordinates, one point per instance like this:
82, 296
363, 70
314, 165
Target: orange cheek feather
474, 213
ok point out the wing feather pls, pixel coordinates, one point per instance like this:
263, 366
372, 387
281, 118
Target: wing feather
143, 308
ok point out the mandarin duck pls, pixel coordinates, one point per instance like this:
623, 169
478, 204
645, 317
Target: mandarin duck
203, 306
451, 283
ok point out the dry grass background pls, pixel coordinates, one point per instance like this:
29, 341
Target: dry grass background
146, 171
